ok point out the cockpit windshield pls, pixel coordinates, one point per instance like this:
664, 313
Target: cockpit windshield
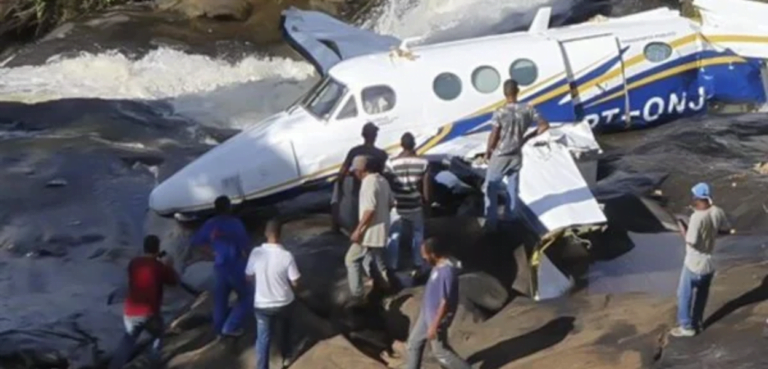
324, 98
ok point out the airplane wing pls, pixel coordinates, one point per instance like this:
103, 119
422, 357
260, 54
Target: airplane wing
325, 41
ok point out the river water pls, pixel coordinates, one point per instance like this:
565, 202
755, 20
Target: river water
85, 136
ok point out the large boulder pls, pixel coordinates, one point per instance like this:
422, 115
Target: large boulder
219, 9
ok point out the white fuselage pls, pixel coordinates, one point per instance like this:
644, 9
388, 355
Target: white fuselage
631, 72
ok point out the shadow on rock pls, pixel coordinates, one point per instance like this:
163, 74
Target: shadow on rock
753, 296
519, 347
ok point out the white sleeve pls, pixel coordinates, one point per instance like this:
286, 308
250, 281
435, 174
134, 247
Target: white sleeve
293, 270
251, 266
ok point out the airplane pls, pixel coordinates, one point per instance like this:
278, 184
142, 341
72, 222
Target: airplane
612, 74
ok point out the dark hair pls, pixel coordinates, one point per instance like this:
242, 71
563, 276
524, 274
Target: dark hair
408, 142
432, 246
511, 88
222, 205
372, 165
273, 228
151, 244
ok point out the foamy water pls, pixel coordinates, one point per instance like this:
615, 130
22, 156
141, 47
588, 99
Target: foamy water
218, 93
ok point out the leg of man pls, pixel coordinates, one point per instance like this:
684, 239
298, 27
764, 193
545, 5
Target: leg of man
283, 326
377, 254
417, 339
513, 189
444, 353
417, 232
494, 176
393, 244
155, 328
221, 293
700, 300
234, 323
353, 260
684, 296
133, 328
264, 323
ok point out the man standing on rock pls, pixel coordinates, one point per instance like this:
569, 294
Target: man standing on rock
411, 187
147, 276
505, 151
368, 148
226, 234
274, 272
705, 224
370, 236
441, 299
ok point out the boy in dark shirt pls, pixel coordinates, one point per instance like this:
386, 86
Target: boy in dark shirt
441, 298
146, 278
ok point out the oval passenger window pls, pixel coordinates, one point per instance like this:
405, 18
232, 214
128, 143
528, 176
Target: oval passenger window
524, 71
447, 86
486, 79
657, 52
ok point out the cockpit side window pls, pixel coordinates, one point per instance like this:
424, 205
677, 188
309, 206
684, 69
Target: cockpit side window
378, 99
324, 100
349, 110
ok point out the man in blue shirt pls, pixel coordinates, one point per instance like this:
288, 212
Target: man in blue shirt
230, 244
441, 298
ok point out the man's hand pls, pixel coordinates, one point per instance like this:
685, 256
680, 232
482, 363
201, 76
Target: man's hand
356, 236
432, 332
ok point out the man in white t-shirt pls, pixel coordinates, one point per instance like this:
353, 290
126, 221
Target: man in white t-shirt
274, 272
707, 221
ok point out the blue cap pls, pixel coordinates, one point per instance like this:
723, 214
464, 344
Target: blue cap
701, 192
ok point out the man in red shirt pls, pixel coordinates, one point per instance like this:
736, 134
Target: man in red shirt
147, 276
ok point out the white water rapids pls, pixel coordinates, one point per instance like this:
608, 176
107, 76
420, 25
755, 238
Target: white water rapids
224, 94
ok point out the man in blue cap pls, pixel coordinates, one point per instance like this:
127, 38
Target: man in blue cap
707, 221
226, 235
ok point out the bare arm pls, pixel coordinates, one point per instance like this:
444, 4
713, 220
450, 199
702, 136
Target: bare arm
365, 221
493, 140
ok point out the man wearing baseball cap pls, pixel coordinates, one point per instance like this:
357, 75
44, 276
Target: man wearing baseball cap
707, 221
368, 148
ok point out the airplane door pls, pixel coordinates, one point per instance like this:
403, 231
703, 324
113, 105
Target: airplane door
595, 71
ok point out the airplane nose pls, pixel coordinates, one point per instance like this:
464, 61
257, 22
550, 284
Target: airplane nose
185, 191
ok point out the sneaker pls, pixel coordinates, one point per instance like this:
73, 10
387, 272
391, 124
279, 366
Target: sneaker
682, 332
236, 333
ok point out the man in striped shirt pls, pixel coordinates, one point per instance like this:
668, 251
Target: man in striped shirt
411, 186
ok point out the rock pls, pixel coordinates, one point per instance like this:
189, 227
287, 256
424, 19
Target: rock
218, 9
59, 182
335, 353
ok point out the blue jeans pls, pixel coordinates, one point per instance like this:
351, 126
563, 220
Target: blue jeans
494, 183
134, 325
228, 279
690, 303
414, 223
269, 320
